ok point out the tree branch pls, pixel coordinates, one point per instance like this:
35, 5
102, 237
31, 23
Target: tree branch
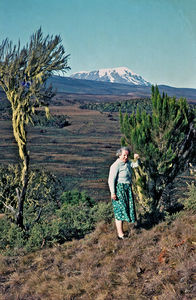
10, 208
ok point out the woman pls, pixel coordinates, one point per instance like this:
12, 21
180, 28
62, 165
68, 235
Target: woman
120, 187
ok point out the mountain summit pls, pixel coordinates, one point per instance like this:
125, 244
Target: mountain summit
121, 75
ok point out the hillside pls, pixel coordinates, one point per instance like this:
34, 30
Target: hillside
81, 87
155, 264
100, 91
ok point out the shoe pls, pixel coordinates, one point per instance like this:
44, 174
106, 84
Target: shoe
122, 237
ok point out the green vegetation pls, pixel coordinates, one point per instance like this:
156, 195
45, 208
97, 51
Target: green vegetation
51, 215
58, 121
37, 212
23, 75
165, 141
49, 260
38, 119
158, 263
189, 202
129, 106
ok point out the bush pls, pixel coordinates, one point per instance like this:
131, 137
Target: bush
103, 212
12, 238
75, 197
62, 215
43, 192
190, 202
78, 215
57, 121
73, 221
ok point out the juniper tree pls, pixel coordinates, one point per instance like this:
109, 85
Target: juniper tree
165, 140
23, 75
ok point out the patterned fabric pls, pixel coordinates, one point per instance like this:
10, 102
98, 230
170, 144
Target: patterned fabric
124, 208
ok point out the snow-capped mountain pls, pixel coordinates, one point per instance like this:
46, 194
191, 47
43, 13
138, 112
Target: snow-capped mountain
121, 75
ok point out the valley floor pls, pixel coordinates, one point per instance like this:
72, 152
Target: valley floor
81, 153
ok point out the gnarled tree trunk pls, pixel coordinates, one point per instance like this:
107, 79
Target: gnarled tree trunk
20, 135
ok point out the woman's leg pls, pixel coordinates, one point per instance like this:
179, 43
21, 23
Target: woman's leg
119, 227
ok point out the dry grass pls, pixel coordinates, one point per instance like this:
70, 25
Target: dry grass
151, 264
157, 264
82, 151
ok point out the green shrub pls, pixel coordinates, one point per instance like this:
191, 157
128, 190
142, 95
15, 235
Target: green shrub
62, 215
190, 201
12, 238
9, 181
57, 121
40, 235
43, 192
75, 197
73, 221
103, 212
164, 140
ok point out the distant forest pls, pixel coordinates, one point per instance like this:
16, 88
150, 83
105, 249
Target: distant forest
129, 106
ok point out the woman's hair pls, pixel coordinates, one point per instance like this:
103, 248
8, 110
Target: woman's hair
119, 151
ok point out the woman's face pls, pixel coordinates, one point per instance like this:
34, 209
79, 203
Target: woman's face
124, 156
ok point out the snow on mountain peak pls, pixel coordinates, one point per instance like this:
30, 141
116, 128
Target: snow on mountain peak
121, 75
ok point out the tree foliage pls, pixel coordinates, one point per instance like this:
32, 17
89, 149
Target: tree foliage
23, 75
129, 106
44, 189
165, 141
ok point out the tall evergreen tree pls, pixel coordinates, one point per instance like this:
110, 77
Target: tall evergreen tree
165, 140
23, 75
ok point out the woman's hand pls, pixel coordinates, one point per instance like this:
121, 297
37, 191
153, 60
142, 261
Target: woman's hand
113, 196
136, 156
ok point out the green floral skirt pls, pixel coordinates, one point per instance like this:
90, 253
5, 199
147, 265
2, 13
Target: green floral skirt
124, 208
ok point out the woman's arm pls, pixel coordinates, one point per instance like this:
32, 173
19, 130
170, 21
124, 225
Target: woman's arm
112, 180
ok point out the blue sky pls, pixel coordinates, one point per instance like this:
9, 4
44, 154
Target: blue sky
154, 38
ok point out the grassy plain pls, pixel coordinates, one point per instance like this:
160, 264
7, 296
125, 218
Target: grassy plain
81, 153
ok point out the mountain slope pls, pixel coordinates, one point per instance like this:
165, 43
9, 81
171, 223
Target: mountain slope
115, 75
70, 85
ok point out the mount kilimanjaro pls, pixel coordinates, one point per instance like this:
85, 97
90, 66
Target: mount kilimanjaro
120, 75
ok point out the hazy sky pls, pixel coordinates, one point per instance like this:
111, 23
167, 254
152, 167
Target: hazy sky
154, 38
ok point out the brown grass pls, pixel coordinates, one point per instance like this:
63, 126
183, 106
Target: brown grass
152, 264
102, 267
80, 152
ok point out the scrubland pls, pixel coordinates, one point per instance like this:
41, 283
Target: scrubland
156, 262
